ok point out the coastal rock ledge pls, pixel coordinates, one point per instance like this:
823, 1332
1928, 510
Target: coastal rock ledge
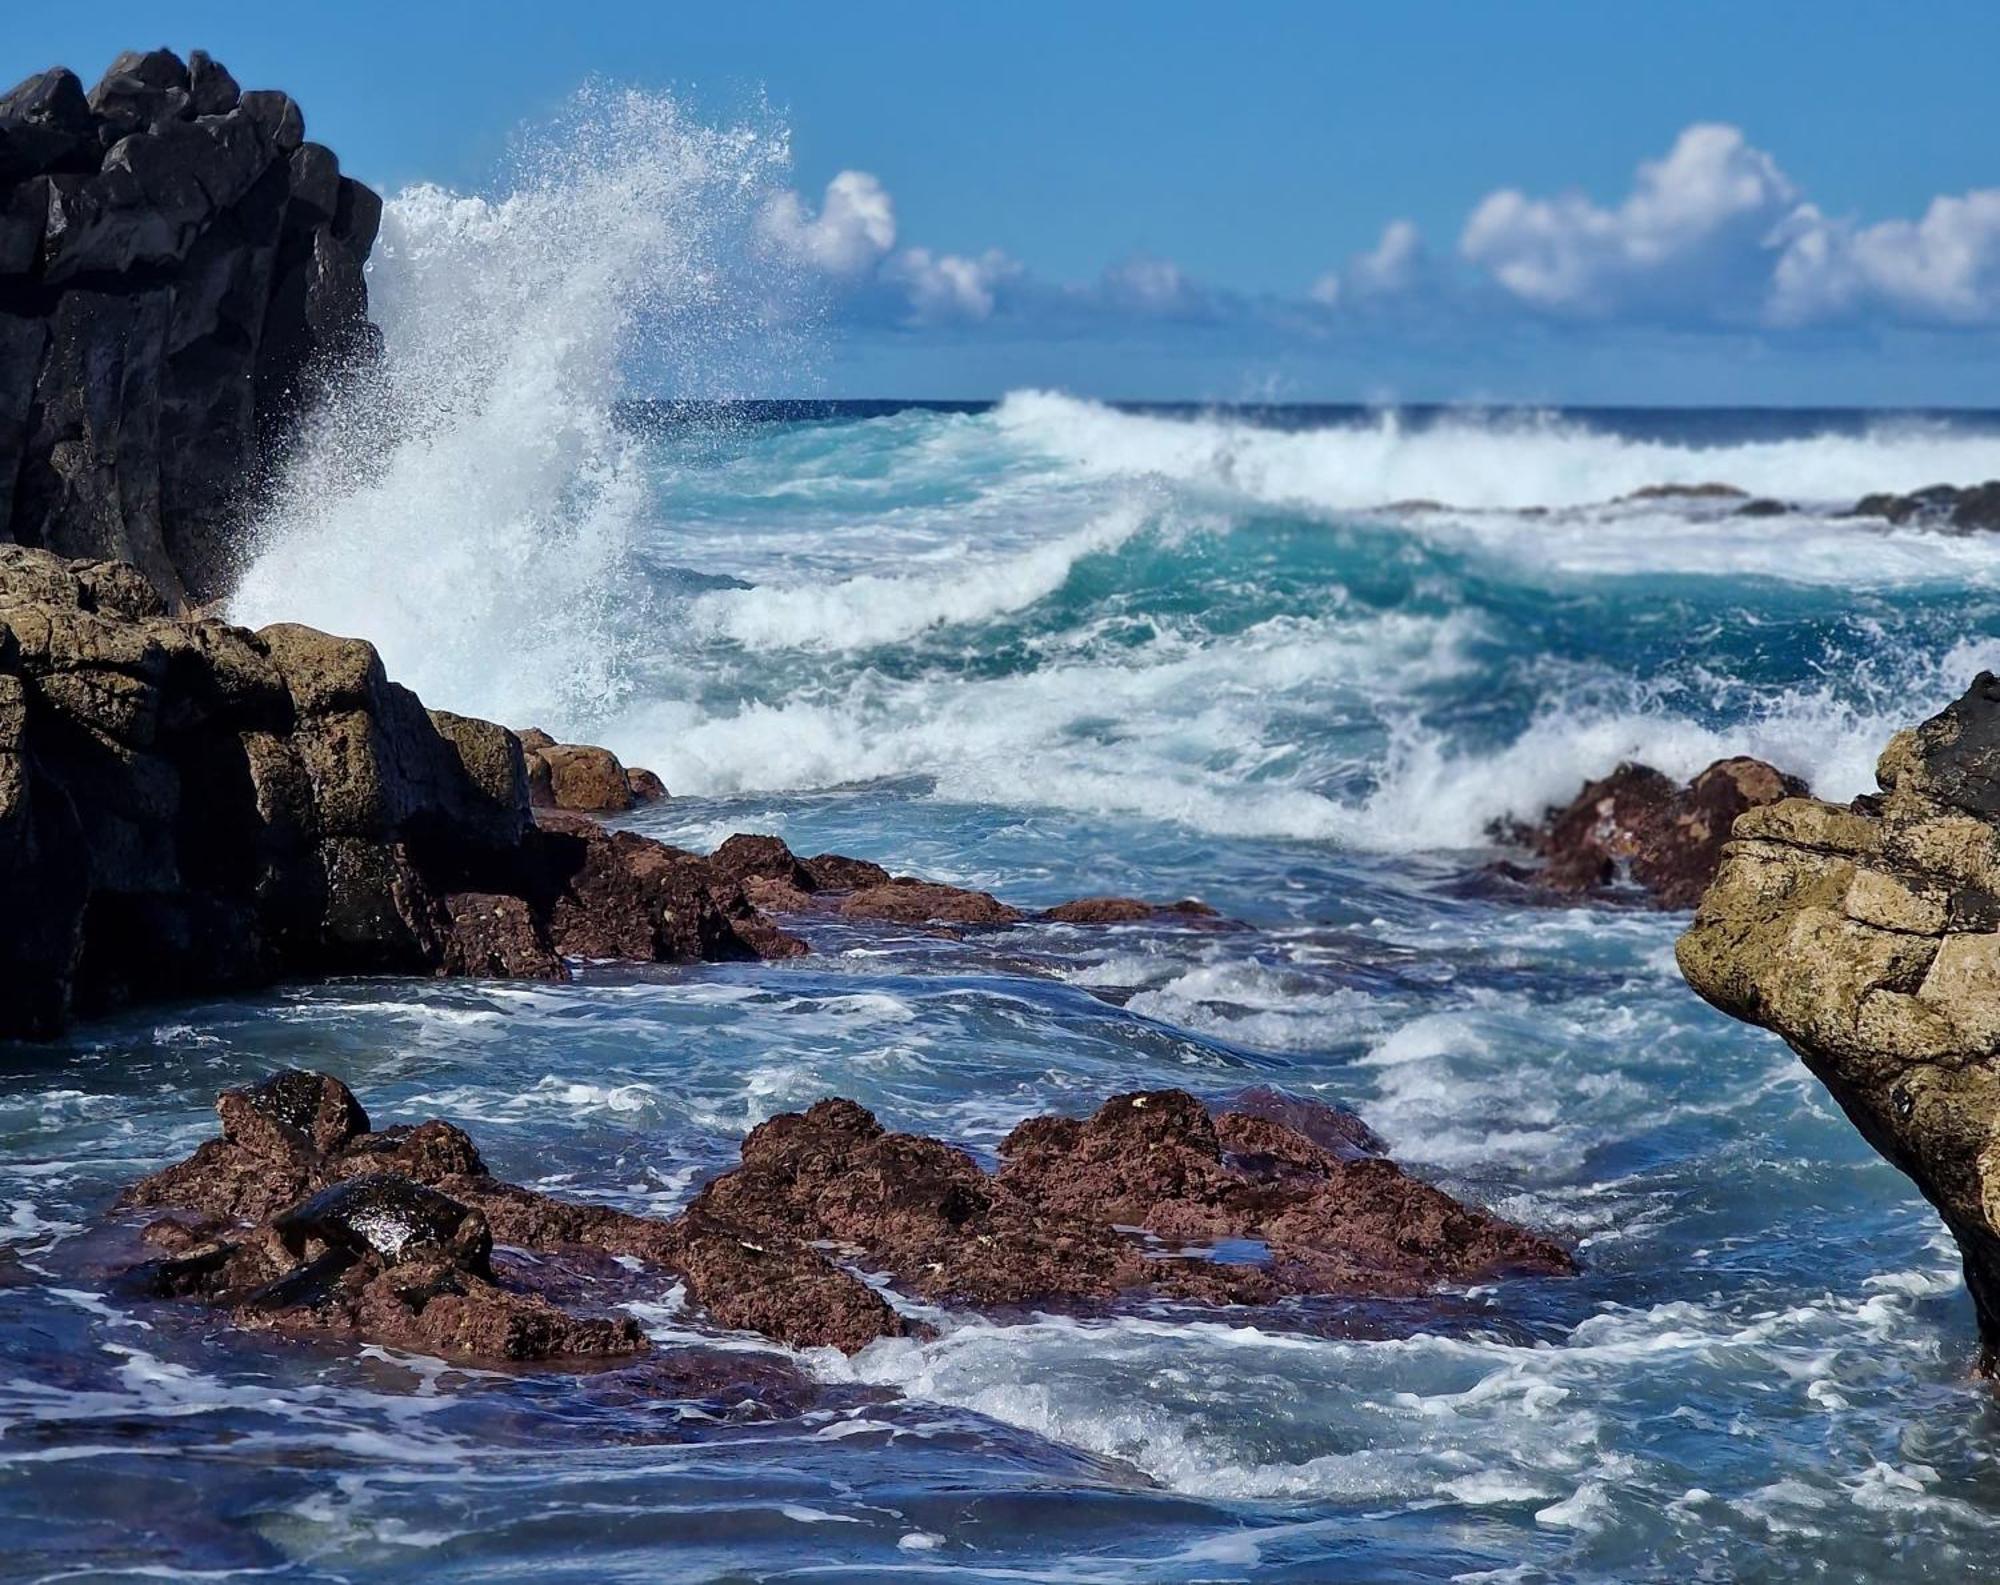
189, 807
1869, 937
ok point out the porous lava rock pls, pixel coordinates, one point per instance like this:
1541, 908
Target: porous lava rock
187, 806
1049, 1227
303, 1215
181, 279
1637, 828
358, 1226
1868, 936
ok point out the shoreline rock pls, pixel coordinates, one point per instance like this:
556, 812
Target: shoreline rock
1868, 937
303, 1217
180, 280
189, 807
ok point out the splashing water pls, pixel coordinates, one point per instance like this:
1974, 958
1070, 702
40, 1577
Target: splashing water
475, 511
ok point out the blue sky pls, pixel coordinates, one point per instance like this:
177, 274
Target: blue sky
1688, 203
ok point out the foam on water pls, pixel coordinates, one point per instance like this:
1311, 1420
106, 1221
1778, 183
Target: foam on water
1508, 460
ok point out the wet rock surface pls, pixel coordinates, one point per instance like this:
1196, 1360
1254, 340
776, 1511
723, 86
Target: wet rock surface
301, 1216
1868, 937
181, 274
1965, 509
187, 806
776, 879
1638, 829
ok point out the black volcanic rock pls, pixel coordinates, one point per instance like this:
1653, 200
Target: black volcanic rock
180, 278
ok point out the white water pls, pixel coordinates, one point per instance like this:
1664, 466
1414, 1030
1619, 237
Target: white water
476, 511
1506, 460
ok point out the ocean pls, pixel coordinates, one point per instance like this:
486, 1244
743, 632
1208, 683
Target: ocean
1296, 662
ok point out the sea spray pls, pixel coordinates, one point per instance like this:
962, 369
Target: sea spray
476, 509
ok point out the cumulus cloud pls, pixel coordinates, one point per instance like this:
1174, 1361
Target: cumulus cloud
1714, 233
1943, 267
853, 231
1393, 266
950, 285
1700, 226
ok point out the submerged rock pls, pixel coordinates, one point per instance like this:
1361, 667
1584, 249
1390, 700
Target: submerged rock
1124, 910
1636, 827
1967, 509
1869, 938
776, 879
187, 806
181, 277
307, 1219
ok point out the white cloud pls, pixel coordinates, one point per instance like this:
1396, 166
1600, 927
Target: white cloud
1392, 266
1714, 233
853, 231
1150, 285
950, 285
1944, 267
1701, 225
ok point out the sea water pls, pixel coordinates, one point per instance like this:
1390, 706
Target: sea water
1295, 662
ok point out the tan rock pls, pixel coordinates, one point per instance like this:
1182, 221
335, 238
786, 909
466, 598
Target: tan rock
1869, 938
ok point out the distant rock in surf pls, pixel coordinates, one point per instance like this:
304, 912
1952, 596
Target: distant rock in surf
1868, 937
1637, 828
302, 1218
777, 880
584, 778
1966, 510
187, 807
180, 276
1710, 491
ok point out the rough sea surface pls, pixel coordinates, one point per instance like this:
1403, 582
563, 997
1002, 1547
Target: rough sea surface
1051, 648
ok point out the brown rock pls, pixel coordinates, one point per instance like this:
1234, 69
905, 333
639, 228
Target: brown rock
906, 900
832, 872
1124, 910
644, 786
1636, 826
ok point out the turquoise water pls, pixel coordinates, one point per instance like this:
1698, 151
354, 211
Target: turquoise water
1054, 648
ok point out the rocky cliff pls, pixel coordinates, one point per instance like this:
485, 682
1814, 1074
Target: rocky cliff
1869, 937
187, 806
180, 270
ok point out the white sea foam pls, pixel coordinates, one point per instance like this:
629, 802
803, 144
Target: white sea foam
1507, 460
474, 512
874, 608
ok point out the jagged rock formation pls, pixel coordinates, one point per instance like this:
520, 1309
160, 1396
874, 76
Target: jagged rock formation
187, 806
303, 1217
180, 270
1869, 937
1638, 828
